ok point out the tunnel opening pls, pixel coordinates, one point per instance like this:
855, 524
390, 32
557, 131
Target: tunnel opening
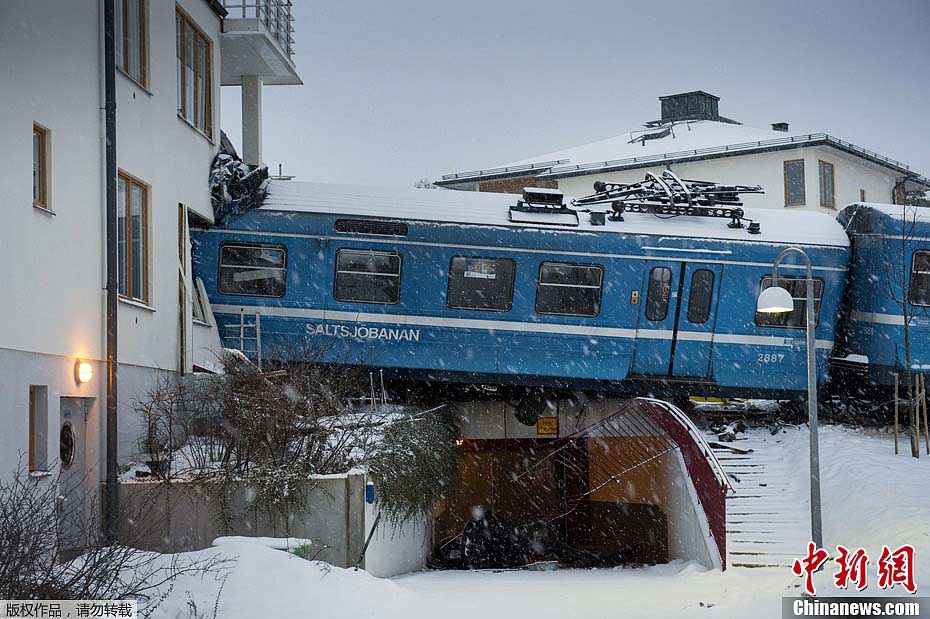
633, 484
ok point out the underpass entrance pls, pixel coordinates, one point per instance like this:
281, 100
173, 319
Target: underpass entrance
636, 486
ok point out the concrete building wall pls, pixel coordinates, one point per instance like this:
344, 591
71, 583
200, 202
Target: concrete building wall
54, 262
767, 170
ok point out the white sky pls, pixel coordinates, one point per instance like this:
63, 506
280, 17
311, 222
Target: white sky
396, 91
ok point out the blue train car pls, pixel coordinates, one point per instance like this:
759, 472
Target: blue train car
889, 279
446, 285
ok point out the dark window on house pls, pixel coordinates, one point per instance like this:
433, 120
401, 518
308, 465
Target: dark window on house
700, 296
827, 184
919, 293
364, 276
38, 428
569, 289
481, 284
129, 35
796, 318
40, 144
253, 270
658, 293
862, 195
794, 183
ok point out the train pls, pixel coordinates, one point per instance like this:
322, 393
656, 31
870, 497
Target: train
503, 291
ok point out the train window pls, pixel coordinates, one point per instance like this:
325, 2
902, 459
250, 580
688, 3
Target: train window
795, 319
364, 276
480, 284
919, 293
569, 289
252, 270
657, 296
700, 296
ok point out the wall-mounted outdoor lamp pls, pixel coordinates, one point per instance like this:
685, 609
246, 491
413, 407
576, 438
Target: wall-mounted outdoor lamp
83, 371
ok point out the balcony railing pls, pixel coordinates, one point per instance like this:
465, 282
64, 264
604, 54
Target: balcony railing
275, 14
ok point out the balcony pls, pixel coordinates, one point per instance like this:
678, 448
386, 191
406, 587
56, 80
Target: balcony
258, 39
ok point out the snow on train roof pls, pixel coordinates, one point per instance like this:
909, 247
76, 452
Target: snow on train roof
478, 208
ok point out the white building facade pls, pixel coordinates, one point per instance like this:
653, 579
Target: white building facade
172, 58
809, 171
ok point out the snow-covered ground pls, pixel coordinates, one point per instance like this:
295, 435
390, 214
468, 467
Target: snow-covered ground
871, 498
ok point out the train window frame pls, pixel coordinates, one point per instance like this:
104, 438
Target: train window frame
398, 275
540, 284
925, 300
799, 280
452, 280
263, 246
706, 305
649, 304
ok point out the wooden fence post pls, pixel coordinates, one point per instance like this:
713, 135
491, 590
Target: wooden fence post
923, 401
896, 413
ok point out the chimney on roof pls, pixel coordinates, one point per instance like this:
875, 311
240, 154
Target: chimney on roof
695, 105
783, 127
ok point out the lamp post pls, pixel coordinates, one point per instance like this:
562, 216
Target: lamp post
777, 300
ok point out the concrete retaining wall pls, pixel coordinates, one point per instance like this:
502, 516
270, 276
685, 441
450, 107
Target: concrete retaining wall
182, 516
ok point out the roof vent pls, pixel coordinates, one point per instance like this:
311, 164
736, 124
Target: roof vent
695, 105
783, 127
371, 226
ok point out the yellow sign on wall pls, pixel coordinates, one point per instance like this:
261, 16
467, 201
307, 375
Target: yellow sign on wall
547, 426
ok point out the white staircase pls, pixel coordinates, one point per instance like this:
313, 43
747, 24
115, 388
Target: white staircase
767, 517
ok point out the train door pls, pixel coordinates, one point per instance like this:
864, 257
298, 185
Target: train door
675, 329
697, 315
656, 324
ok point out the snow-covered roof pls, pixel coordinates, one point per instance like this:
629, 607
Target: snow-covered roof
688, 135
493, 209
672, 142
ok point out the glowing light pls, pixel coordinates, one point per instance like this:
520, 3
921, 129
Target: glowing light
83, 372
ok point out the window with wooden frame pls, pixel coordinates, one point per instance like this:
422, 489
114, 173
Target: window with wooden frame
40, 148
131, 43
195, 74
794, 183
827, 184
38, 428
133, 250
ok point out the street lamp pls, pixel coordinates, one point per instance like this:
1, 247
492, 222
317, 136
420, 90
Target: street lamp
777, 300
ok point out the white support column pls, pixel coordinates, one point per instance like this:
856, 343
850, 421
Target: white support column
252, 119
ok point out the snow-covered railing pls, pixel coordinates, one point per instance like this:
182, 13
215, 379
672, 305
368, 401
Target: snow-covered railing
810, 139
275, 14
506, 170
698, 437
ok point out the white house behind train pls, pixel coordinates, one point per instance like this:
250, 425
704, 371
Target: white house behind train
813, 171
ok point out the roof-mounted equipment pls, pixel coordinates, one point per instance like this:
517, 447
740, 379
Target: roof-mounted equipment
669, 196
543, 206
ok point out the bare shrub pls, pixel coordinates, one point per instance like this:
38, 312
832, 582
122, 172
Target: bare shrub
273, 428
36, 538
